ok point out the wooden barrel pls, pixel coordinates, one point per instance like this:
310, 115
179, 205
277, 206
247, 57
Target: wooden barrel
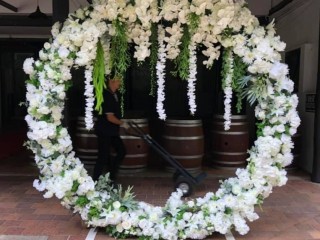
137, 149
86, 143
229, 148
184, 141
86, 146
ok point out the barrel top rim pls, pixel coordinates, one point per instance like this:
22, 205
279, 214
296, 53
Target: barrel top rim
185, 121
232, 116
135, 119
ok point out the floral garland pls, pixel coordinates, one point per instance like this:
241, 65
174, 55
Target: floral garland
161, 65
226, 22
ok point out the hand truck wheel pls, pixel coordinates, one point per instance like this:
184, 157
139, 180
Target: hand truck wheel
184, 185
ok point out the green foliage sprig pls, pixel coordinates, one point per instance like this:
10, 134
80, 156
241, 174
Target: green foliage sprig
239, 76
182, 61
239, 72
82, 201
153, 57
226, 66
194, 21
34, 81
227, 32
119, 55
125, 197
98, 77
253, 87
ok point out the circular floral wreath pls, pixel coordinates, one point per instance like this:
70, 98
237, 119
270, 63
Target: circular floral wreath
162, 30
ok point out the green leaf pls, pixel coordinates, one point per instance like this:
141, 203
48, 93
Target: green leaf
75, 186
93, 213
68, 85
35, 82
99, 77
62, 174
228, 210
82, 201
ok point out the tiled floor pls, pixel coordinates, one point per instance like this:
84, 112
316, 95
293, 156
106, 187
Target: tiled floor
292, 212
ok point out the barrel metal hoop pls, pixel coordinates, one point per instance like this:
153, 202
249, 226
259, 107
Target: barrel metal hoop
136, 155
232, 123
187, 157
132, 166
230, 153
229, 133
136, 120
232, 117
183, 125
87, 150
86, 157
227, 163
88, 135
182, 122
129, 137
183, 138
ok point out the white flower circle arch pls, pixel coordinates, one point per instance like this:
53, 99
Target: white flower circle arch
213, 24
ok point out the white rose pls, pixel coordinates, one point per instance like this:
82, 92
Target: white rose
119, 227
126, 225
116, 205
47, 46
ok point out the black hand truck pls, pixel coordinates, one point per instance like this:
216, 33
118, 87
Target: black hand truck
182, 178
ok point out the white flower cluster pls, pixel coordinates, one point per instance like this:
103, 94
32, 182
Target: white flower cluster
224, 22
146, 11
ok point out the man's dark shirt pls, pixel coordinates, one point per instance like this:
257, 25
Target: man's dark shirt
110, 105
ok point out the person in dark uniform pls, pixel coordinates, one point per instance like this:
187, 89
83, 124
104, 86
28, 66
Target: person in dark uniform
107, 130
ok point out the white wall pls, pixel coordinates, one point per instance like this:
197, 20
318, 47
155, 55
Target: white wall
298, 26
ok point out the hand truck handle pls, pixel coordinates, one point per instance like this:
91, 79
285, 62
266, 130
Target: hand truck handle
138, 130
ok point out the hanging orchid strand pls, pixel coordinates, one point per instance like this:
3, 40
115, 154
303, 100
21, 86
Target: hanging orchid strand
88, 93
192, 78
161, 65
227, 86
